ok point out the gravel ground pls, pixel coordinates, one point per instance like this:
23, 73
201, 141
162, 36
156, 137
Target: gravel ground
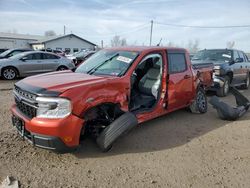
178, 150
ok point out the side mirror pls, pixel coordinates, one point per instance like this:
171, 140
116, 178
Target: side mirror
23, 58
239, 60
232, 62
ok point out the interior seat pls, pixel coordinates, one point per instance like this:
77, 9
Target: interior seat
149, 86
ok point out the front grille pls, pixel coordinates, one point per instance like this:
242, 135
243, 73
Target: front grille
25, 108
25, 102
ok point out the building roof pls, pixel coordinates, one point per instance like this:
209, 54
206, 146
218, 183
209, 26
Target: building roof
20, 36
59, 37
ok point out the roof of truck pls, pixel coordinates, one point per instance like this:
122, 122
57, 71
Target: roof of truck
145, 48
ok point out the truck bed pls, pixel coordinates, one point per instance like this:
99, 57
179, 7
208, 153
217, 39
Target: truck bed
204, 72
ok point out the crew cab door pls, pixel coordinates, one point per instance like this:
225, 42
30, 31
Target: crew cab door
243, 70
31, 64
236, 67
180, 84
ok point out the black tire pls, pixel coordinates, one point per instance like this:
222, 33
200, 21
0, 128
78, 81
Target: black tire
247, 82
62, 68
224, 90
9, 73
119, 127
199, 105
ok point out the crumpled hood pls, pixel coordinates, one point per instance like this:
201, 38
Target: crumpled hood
54, 83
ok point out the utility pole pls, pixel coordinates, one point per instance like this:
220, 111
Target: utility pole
151, 32
64, 30
102, 44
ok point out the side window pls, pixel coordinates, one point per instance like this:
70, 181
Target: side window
36, 56
176, 63
50, 56
29, 57
246, 58
241, 55
236, 55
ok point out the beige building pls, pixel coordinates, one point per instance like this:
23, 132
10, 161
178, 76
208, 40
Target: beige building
70, 42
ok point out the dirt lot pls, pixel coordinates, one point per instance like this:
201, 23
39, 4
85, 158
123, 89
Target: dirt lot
177, 150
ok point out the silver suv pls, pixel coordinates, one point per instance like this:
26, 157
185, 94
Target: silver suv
31, 63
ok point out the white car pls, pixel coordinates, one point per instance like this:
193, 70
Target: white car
31, 63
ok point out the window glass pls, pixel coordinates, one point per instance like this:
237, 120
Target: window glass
176, 62
36, 56
14, 53
236, 55
67, 50
50, 56
108, 62
241, 55
75, 50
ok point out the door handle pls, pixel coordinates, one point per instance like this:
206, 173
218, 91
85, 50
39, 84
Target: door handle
187, 76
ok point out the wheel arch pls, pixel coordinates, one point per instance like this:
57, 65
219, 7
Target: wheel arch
230, 75
10, 66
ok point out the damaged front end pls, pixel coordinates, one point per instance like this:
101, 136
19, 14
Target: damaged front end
227, 112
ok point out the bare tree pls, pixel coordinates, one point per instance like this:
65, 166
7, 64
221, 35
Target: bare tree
117, 41
193, 46
230, 44
49, 33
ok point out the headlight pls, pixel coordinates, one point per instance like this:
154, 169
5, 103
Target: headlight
53, 107
217, 70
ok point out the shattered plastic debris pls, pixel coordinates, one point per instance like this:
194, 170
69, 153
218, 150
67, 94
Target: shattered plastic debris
9, 182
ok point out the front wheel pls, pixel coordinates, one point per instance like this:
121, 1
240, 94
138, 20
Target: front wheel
9, 73
62, 68
199, 105
224, 90
247, 82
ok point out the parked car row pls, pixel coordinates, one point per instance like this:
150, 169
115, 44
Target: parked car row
79, 57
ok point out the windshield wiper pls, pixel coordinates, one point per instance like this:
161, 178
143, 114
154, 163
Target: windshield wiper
91, 71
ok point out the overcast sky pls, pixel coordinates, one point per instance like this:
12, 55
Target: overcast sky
98, 20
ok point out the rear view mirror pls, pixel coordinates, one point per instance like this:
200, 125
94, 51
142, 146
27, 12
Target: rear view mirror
239, 60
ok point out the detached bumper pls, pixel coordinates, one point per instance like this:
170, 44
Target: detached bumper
60, 135
218, 82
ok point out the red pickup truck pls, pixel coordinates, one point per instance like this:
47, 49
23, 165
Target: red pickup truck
113, 91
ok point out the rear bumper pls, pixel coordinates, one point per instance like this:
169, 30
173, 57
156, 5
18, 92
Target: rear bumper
61, 135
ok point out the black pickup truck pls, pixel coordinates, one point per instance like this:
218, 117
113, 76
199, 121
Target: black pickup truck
231, 67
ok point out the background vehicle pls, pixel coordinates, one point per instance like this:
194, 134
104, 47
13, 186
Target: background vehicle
79, 57
31, 63
114, 90
58, 52
231, 67
2, 50
12, 52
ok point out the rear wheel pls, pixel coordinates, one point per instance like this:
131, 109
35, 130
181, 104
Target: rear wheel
9, 73
199, 105
224, 90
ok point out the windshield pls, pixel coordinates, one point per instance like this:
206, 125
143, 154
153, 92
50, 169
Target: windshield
108, 62
5, 53
213, 55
